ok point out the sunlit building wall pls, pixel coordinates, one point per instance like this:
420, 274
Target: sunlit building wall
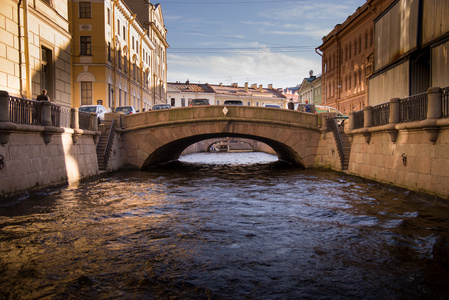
113, 56
35, 49
347, 58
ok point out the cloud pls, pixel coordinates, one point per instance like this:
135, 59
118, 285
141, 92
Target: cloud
265, 68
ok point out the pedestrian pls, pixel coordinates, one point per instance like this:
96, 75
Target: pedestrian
307, 107
43, 96
290, 104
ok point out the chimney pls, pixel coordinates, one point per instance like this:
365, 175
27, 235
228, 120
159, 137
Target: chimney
246, 86
270, 86
254, 86
235, 85
221, 84
260, 88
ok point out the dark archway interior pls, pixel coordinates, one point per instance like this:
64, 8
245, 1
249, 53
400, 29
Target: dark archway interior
173, 150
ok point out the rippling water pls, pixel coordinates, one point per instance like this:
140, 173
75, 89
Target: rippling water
235, 226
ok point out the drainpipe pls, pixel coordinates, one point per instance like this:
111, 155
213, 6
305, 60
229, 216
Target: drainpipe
325, 83
114, 62
133, 17
28, 93
142, 79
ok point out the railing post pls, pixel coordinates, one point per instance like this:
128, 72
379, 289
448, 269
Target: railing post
393, 119
368, 116
394, 111
6, 127
351, 121
46, 113
434, 103
74, 118
4, 106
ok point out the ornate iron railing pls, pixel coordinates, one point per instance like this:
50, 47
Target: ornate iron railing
445, 102
381, 114
359, 119
24, 111
84, 120
413, 108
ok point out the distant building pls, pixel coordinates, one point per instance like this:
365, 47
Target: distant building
35, 49
180, 94
291, 93
348, 56
116, 58
310, 89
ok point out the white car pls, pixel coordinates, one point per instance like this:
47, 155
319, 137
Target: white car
100, 110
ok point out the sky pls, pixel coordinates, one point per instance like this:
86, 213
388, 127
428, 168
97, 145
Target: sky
255, 41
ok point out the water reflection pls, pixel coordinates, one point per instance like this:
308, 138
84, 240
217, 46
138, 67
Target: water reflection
224, 230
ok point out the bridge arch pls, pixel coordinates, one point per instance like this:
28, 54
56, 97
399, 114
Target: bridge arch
156, 137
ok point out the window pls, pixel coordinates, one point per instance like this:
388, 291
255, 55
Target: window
133, 43
137, 47
125, 64
85, 10
173, 101
86, 45
46, 68
109, 51
118, 27
119, 58
86, 92
183, 102
109, 16
124, 32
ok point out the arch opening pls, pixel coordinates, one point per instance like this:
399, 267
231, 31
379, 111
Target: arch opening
173, 150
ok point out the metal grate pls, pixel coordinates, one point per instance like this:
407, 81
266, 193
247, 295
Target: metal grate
413, 108
445, 102
381, 114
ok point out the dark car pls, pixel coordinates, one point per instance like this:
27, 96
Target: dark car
233, 102
196, 102
161, 106
125, 109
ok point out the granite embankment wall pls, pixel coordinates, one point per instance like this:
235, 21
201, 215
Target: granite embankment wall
34, 153
413, 154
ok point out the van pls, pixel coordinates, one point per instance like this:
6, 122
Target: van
233, 102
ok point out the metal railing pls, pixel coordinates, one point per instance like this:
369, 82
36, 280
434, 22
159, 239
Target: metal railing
381, 114
29, 112
413, 108
359, 119
24, 111
445, 102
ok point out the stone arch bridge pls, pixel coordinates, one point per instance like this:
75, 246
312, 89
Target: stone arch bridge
160, 136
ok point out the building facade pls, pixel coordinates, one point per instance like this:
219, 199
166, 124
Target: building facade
35, 49
348, 56
180, 94
310, 89
115, 59
410, 51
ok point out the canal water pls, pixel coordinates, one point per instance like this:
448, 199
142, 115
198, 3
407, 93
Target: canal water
224, 226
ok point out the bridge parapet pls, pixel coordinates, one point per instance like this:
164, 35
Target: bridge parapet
221, 113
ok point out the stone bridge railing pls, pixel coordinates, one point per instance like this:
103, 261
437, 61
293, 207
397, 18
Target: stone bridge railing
428, 111
18, 114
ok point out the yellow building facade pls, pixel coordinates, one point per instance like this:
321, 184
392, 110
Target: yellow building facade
116, 60
35, 49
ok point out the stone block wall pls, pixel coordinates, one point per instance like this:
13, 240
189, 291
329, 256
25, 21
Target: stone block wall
412, 162
28, 162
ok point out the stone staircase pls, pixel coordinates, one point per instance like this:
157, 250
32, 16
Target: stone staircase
103, 152
346, 147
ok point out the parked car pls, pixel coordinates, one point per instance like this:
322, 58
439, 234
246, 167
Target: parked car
319, 109
100, 110
126, 109
161, 106
233, 102
272, 105
196, 102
